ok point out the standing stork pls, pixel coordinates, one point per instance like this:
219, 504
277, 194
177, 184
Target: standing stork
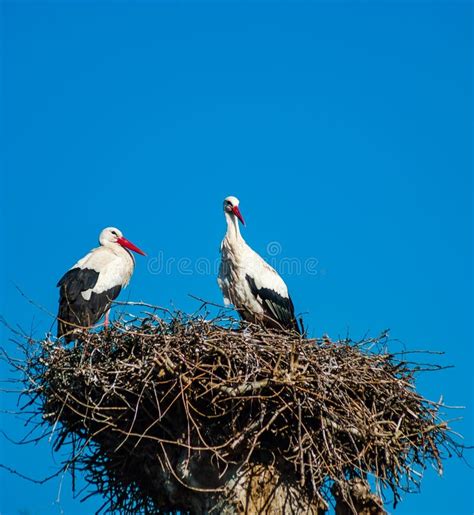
248, 282
89, 287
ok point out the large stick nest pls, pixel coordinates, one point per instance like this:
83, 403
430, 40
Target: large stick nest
159, 412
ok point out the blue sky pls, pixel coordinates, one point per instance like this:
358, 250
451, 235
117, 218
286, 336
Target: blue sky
345, 129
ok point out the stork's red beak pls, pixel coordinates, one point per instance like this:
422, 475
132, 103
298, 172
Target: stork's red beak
129, 245
238, 214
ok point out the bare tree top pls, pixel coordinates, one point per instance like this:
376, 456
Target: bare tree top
164, 412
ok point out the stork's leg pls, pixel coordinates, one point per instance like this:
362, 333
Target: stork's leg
106, 321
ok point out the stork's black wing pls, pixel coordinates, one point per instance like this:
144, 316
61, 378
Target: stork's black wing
275, 306
77, 280
74, 309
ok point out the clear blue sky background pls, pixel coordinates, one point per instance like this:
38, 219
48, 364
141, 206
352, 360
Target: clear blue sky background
345, 129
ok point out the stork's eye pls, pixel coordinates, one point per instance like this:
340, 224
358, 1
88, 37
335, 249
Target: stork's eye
114, 233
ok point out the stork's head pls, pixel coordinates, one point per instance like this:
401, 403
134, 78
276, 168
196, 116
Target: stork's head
113, 236
231, 206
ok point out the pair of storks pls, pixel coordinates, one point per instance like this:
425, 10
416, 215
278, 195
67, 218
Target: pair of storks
255, 289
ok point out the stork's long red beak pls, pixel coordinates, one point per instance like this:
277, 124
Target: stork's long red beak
129, 245
238, 214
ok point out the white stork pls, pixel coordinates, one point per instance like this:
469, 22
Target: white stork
248, 282
89, 287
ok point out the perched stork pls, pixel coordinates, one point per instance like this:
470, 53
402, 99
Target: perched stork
89, 287
248, 282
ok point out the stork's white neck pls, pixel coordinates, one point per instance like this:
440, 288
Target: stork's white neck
120, 251
233, 235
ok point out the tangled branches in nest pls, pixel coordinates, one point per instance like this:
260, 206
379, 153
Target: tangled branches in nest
192, 415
